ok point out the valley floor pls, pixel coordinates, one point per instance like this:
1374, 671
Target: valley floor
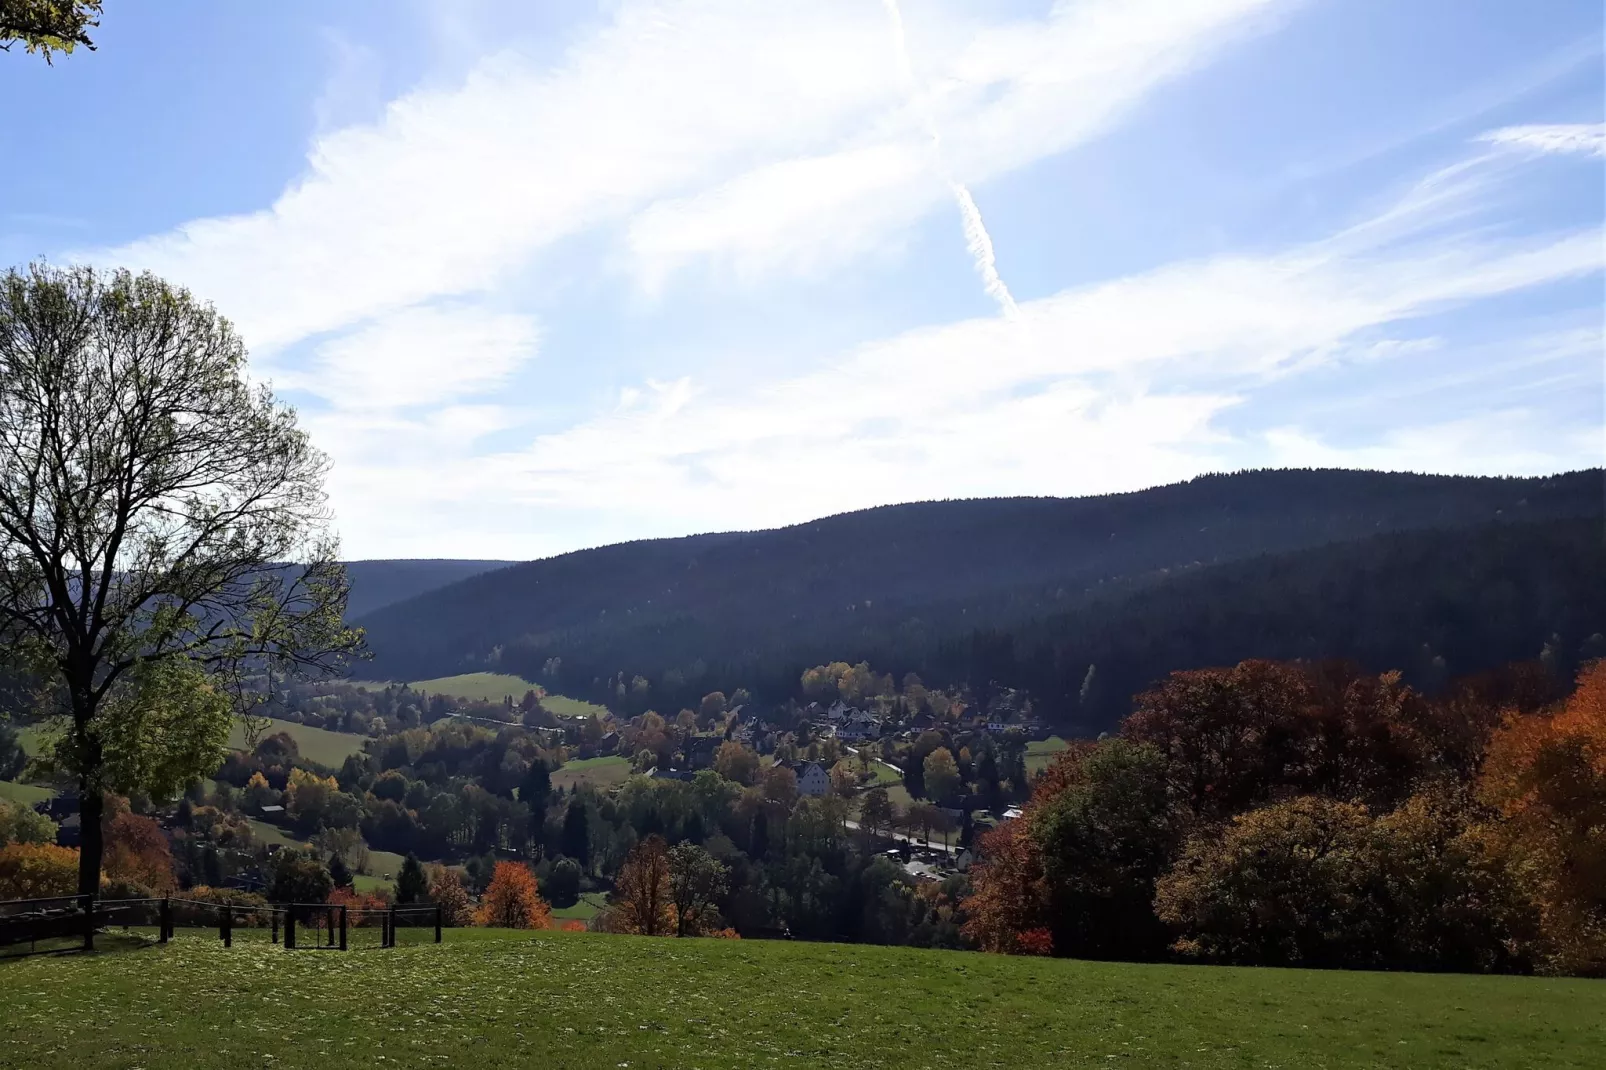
489, 999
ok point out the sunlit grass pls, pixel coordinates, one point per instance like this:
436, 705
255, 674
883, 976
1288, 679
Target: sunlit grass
1040, 752
315, 744
601, 772
503, 999
28, 794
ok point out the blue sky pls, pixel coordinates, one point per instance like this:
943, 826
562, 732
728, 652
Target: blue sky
592, 272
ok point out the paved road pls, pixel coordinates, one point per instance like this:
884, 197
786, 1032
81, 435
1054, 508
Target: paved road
916, 841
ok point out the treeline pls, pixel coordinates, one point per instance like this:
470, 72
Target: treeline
1314, 815
1435, 605
1440, 576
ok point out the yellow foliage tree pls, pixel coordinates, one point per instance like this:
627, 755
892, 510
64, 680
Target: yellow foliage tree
37, 870
308, 793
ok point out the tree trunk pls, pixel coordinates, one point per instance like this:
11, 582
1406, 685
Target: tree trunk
91, 844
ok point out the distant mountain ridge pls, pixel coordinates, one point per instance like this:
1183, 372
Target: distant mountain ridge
379, 583
905, 580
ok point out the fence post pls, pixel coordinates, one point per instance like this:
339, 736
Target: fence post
225, 926
290, 928
437, 923
342, 928
393, 925
273, 919
89, 922
167, 920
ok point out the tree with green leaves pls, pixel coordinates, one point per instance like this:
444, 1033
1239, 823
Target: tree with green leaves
696, 881
165, 540
339, 874
299, 877
941, 774
535, 786
411, 884
576, 837
48, 26
875, 812
562, 886
13, 759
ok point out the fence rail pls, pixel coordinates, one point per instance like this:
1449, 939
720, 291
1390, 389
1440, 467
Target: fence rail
77, 918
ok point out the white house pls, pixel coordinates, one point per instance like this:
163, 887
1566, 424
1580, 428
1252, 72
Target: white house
812, 778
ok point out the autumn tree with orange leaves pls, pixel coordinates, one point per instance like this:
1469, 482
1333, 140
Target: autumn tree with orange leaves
512, 900
137, 853
447, 892
1545, 773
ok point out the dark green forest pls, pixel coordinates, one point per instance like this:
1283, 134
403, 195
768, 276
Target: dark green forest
1439, 575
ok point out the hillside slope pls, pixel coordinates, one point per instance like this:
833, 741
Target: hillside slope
900, 581
1433, 604
375, 584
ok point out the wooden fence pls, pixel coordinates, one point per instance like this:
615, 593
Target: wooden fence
70, 923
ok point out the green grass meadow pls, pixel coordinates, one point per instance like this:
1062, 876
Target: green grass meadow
493, 999
317, 744
564, 706
602, 772
492, 687
27, 794
1042, 751
588, 906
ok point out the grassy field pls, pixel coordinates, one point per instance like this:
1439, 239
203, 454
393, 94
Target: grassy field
603, 772
493, 687
33, 738
490, 999
1040, 752
564, 706
23, 793
267, 833
588, 906
317, 744
884, 775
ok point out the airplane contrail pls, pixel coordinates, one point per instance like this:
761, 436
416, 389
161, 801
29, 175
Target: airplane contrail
977, 240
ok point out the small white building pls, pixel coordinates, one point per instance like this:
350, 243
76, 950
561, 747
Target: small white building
812, 779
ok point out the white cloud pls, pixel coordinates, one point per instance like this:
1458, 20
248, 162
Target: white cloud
425, 355
1003, 96
715, 120
1586, 139
1109, 386
1506, 441
454, 187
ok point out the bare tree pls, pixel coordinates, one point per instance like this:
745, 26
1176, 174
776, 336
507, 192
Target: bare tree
165, 539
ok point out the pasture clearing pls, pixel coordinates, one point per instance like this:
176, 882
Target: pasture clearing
1040, 752
493, 687
480, 686
27, 794
34, 738
603, 773
316, 744
564, 706
588, 906
497, 998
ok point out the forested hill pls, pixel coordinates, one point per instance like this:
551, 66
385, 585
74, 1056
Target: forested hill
907, 583
375, 584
